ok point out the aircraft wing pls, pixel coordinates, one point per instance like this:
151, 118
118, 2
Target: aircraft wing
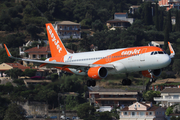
57, 64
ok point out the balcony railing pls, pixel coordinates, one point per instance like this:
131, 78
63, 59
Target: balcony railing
68, 29
137, 116
170, 99
173, 0
67, 37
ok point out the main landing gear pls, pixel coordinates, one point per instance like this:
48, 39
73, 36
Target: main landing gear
126, 82
151, 80
91, 83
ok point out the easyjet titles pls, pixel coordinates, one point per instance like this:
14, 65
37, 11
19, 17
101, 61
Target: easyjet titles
54, 39
130, 52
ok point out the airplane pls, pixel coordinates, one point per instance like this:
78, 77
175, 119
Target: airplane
98, 64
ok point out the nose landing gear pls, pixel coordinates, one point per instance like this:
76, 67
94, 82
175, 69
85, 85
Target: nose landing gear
91, 83
126, 82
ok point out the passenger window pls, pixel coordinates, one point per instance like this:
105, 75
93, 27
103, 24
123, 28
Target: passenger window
155, 53
152, 53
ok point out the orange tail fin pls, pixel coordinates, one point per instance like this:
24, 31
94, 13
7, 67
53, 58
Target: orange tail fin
56, 46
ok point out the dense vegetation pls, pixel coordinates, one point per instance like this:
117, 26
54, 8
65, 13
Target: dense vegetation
25, 20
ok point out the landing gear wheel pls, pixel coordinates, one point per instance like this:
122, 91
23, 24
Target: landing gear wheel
93, 83
124, 82
129, 82
89, 83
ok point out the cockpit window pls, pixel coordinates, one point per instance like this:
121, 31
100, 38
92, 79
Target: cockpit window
160, 52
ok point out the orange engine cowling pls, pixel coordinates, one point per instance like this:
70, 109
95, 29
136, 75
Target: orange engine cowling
155, 73
97, 72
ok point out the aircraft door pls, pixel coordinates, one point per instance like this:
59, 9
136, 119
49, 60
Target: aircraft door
142, 55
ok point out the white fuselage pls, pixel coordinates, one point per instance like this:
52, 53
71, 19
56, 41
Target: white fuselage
130, 62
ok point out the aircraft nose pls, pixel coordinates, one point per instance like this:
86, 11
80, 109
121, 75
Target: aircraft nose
166, 60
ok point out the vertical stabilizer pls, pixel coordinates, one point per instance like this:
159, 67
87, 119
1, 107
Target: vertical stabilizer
56, 46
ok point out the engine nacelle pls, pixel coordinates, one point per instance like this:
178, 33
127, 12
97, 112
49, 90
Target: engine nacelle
155, 73
97, 72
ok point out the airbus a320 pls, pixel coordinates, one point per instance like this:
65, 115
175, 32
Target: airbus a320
98, 64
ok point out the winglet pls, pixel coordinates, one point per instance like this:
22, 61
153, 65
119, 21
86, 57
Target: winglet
171, 50
7, 50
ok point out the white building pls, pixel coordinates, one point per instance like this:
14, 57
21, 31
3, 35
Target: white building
169, 97
142, 111
68, 29
124, 17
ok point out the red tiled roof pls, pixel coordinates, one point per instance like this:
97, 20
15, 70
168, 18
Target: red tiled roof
153, 108
127, 99
144, 104
18, 65
37, 49
171, 90
116, 21
120, 13
42, 50
69, 50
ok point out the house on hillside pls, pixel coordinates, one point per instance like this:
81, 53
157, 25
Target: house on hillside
169, 97
157, 43
170, 4
120, 20
142, 111
159, 85
113, 97
7, 66
68, 29
40, 52
133, 9
28, 44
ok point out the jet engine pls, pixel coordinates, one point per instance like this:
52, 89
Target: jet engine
97, 72
155, 73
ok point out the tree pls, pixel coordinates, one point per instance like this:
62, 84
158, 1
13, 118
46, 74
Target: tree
169, 22
5, 58
103, 115
33, 30
85, 111
166, 37
15, 112
148, 13
13, 12
176, 66
54, 76
177, 26
148, 96
3, 106
97, 25
30, 72
169, 110
14, 73
161, 21
156, 17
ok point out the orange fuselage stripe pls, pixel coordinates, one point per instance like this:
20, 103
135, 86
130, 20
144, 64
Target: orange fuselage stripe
127, 52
